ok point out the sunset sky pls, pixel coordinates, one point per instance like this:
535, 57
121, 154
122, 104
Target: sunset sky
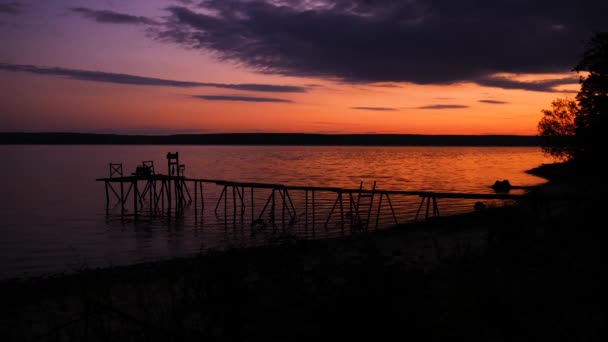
318, 66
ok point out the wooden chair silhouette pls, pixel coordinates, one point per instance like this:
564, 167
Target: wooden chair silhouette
115, 170
173, 163
149, 164
146, 169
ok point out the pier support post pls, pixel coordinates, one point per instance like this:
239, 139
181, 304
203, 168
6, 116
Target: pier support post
272, 208
390, 204
107, 195
135, 198
428, 198
185, 186
331, 212
163, 190
283, 205
313, 212
202, 198
219, 200
195, 199
378, 213
151, 195
234, 205
122, 199
341, 212
252, 208
435, 207
168, 192
350, 210
306, 210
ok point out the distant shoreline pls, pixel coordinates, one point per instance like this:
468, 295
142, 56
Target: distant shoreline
287, 139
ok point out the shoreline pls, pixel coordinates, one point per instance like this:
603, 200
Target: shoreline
331, 279
544, 171
431, 226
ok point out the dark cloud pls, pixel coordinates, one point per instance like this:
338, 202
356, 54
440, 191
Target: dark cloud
13, 8
506, 83
442, 106
240, 98
105, 16
374, 108
259, 87
493, 102
424, 42
106, 77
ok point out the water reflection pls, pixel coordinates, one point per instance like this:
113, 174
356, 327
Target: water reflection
54, 212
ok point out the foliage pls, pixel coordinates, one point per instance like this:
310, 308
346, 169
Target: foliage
572, 130
557, 129
593, 98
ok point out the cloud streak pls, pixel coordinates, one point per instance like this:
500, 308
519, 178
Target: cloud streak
442, 106
542, 85
492, 102
106, 16
241, 98
107, 77
380, 109
362, 41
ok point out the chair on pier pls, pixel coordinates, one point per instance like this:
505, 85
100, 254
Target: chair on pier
175, 169
115, 170
149, 164
146, 169
173, 164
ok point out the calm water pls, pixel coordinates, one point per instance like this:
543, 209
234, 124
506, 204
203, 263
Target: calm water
54, 217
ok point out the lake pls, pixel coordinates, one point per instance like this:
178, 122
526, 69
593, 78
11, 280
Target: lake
54, 215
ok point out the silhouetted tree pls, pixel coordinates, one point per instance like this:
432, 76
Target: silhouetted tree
590, 121
557, 129
574, 129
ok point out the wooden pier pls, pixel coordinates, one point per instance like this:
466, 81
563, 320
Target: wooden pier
259, 205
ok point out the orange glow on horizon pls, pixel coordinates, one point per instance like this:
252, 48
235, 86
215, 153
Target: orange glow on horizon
43, 103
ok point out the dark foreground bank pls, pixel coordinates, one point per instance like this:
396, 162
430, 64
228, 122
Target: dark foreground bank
522, 272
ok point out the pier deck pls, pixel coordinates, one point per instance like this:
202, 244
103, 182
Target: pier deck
356, 208
284, 205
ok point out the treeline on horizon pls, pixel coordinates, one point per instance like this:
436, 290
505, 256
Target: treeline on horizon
268, 139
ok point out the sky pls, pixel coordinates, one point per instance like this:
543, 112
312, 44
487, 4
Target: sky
312, 66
